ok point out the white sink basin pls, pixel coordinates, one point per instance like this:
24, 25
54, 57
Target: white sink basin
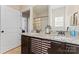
59, 38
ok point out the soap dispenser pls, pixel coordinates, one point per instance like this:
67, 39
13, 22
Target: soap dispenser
48, 29
73, 32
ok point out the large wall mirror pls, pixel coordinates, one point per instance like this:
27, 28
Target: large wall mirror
40, 18
58, 17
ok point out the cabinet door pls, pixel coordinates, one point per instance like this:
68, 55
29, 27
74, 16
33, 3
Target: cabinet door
72, 49
57, 48
24, 44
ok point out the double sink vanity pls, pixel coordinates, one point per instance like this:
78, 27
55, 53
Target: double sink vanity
48, 19
35, 43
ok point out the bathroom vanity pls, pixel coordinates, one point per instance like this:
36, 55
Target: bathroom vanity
58, 19
33, 43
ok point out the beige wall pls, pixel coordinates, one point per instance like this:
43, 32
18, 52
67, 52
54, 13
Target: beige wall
39, 11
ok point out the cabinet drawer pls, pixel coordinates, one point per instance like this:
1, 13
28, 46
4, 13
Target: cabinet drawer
72, 49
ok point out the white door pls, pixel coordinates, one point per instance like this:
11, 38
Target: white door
10, 28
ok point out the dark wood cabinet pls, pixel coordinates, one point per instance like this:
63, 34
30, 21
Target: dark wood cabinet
63, 48
72, 49
25, 45
56, 47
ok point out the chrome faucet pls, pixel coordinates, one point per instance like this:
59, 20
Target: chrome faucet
75, 18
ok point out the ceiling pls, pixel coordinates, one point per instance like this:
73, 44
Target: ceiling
56, 6
20, 7
41, 8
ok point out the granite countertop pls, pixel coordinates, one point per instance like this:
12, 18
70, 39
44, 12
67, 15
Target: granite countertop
65, 38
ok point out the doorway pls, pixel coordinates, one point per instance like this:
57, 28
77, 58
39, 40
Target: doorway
25, 18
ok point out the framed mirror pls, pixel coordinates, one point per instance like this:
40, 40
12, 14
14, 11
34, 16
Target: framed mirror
58, 17
40, 18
